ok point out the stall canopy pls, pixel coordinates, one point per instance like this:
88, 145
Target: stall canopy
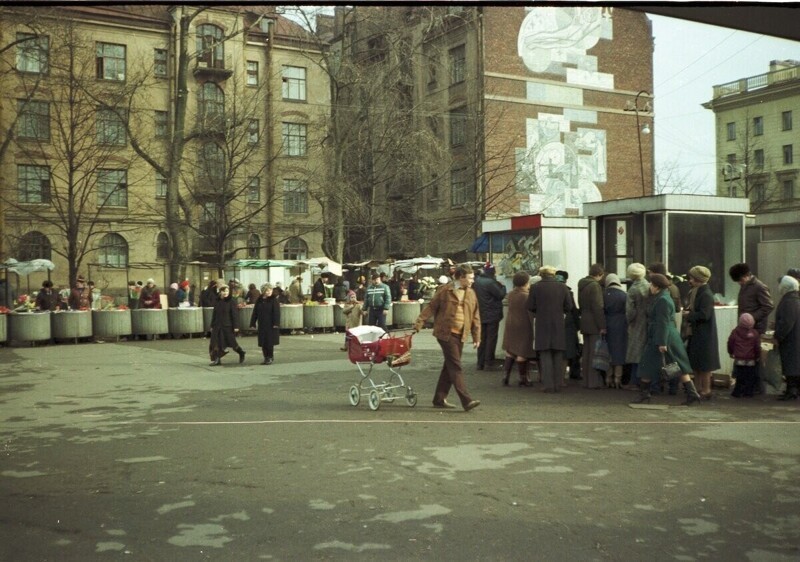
480, 245
261, 264
415, 264
322, 264
28, 267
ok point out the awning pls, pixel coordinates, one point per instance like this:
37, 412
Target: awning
480, 245
28, 267
259, 264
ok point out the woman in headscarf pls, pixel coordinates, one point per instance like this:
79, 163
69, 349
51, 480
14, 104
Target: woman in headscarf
663, 341
223, 331
787, 334
518, 335
702, 347
614, 301
636, 316
267, 314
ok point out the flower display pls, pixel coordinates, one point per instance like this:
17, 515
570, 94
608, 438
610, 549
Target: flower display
24, 304
427, 284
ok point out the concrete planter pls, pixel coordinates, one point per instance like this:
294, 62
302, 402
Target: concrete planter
319, 316
339, 319
3, 328
71, 324
29, 326
405, 313
149, 322
208, 312
245, 315
292, 316
111, 323
185, 321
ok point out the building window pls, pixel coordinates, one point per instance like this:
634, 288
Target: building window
34, 120
758, 157
458, 64
294, 139
33, 184
160, 124
457, 127
162, 246
252, 131
34, 246
253, 246
254, 190
252, 73
295, 249
112, 188
458, 187
788, 189
160, 63
113, 251
110, 62
758, 126
161, 186
295, 196
760, 191
788, 157
786, 121
212, 164
208, 213
209, 45
212, 104
731, 159
293, 83
110, 128
731, 127
32, 53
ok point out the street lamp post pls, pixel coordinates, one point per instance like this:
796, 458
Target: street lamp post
634, 106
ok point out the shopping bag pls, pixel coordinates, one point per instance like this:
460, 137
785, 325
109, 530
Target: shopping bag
669, 370
601, 360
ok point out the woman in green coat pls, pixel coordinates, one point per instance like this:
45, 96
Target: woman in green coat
664, 343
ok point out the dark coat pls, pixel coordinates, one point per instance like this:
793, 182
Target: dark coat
267, 313
572, 321
209, 297
518, 335
787, 333
490, 298
549, 300
590, 301
703, 346
223, 321
47, 301
614, 301
661, 330
754, 297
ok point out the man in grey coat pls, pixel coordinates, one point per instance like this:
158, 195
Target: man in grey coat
490, 293
549, 301
593, 322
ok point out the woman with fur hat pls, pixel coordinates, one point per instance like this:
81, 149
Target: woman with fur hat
663, 343
223, 331
636, 315
267, 314
149, 296
702, 346
787, 334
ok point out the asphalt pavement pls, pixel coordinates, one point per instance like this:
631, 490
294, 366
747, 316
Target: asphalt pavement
141, 451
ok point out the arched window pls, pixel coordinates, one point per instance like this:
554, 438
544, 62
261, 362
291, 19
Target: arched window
253, 246
162, 246
210, 49
112, 251
295, 249
34, 246
212, 104
212, 164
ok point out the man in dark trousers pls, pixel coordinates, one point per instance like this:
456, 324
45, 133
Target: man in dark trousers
490, 294
593, 322
754, 298
377, 302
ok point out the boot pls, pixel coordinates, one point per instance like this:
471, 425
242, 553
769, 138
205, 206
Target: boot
215, 361
522, 368
618, 377
692, 395
240, 351
509, 362
644, 393
791, 389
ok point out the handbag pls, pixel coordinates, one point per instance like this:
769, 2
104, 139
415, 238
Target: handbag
669, 370
601, 360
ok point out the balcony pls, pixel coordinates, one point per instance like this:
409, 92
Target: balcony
758, 82
215, 70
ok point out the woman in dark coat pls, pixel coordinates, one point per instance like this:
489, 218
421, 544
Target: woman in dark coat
47, 299
518, 335
572, 320
663, 341
787, 334
703, 347
223, 331
614, 301
267, 314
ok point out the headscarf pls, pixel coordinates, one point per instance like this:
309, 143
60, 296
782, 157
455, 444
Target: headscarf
613, 282
173, 286
636, 271
659, 280
266, 286
787, 285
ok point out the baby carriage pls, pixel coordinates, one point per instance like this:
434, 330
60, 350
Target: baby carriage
370, 345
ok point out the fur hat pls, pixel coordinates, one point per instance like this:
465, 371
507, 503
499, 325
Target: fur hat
173, 286
184, 283
659, 280
739, 270
700, 273
547, 271
636, 271
787, 285
223, 287
150, 281
746, 320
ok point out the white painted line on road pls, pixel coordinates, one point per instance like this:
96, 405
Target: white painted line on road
498, 422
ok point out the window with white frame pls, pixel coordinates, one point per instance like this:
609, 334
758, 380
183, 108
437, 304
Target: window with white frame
33, 53
112, 188
34, 120
210, 48
160, 63
458, 64
110, 62
112, 251
254, 190
295, 249
110, 128
295, 196
33, 184
161, 186
294, 139
293, 83
252, 131
160, 124
252, 73
458, 187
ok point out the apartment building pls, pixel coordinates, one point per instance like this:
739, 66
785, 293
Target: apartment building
158, 141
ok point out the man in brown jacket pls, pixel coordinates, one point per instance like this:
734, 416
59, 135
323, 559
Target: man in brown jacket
456, 315
593, 322
754, 298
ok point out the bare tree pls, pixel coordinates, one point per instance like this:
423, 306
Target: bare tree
671, 179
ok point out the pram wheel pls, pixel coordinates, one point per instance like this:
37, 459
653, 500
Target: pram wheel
374, 400
411, 397
355, 395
